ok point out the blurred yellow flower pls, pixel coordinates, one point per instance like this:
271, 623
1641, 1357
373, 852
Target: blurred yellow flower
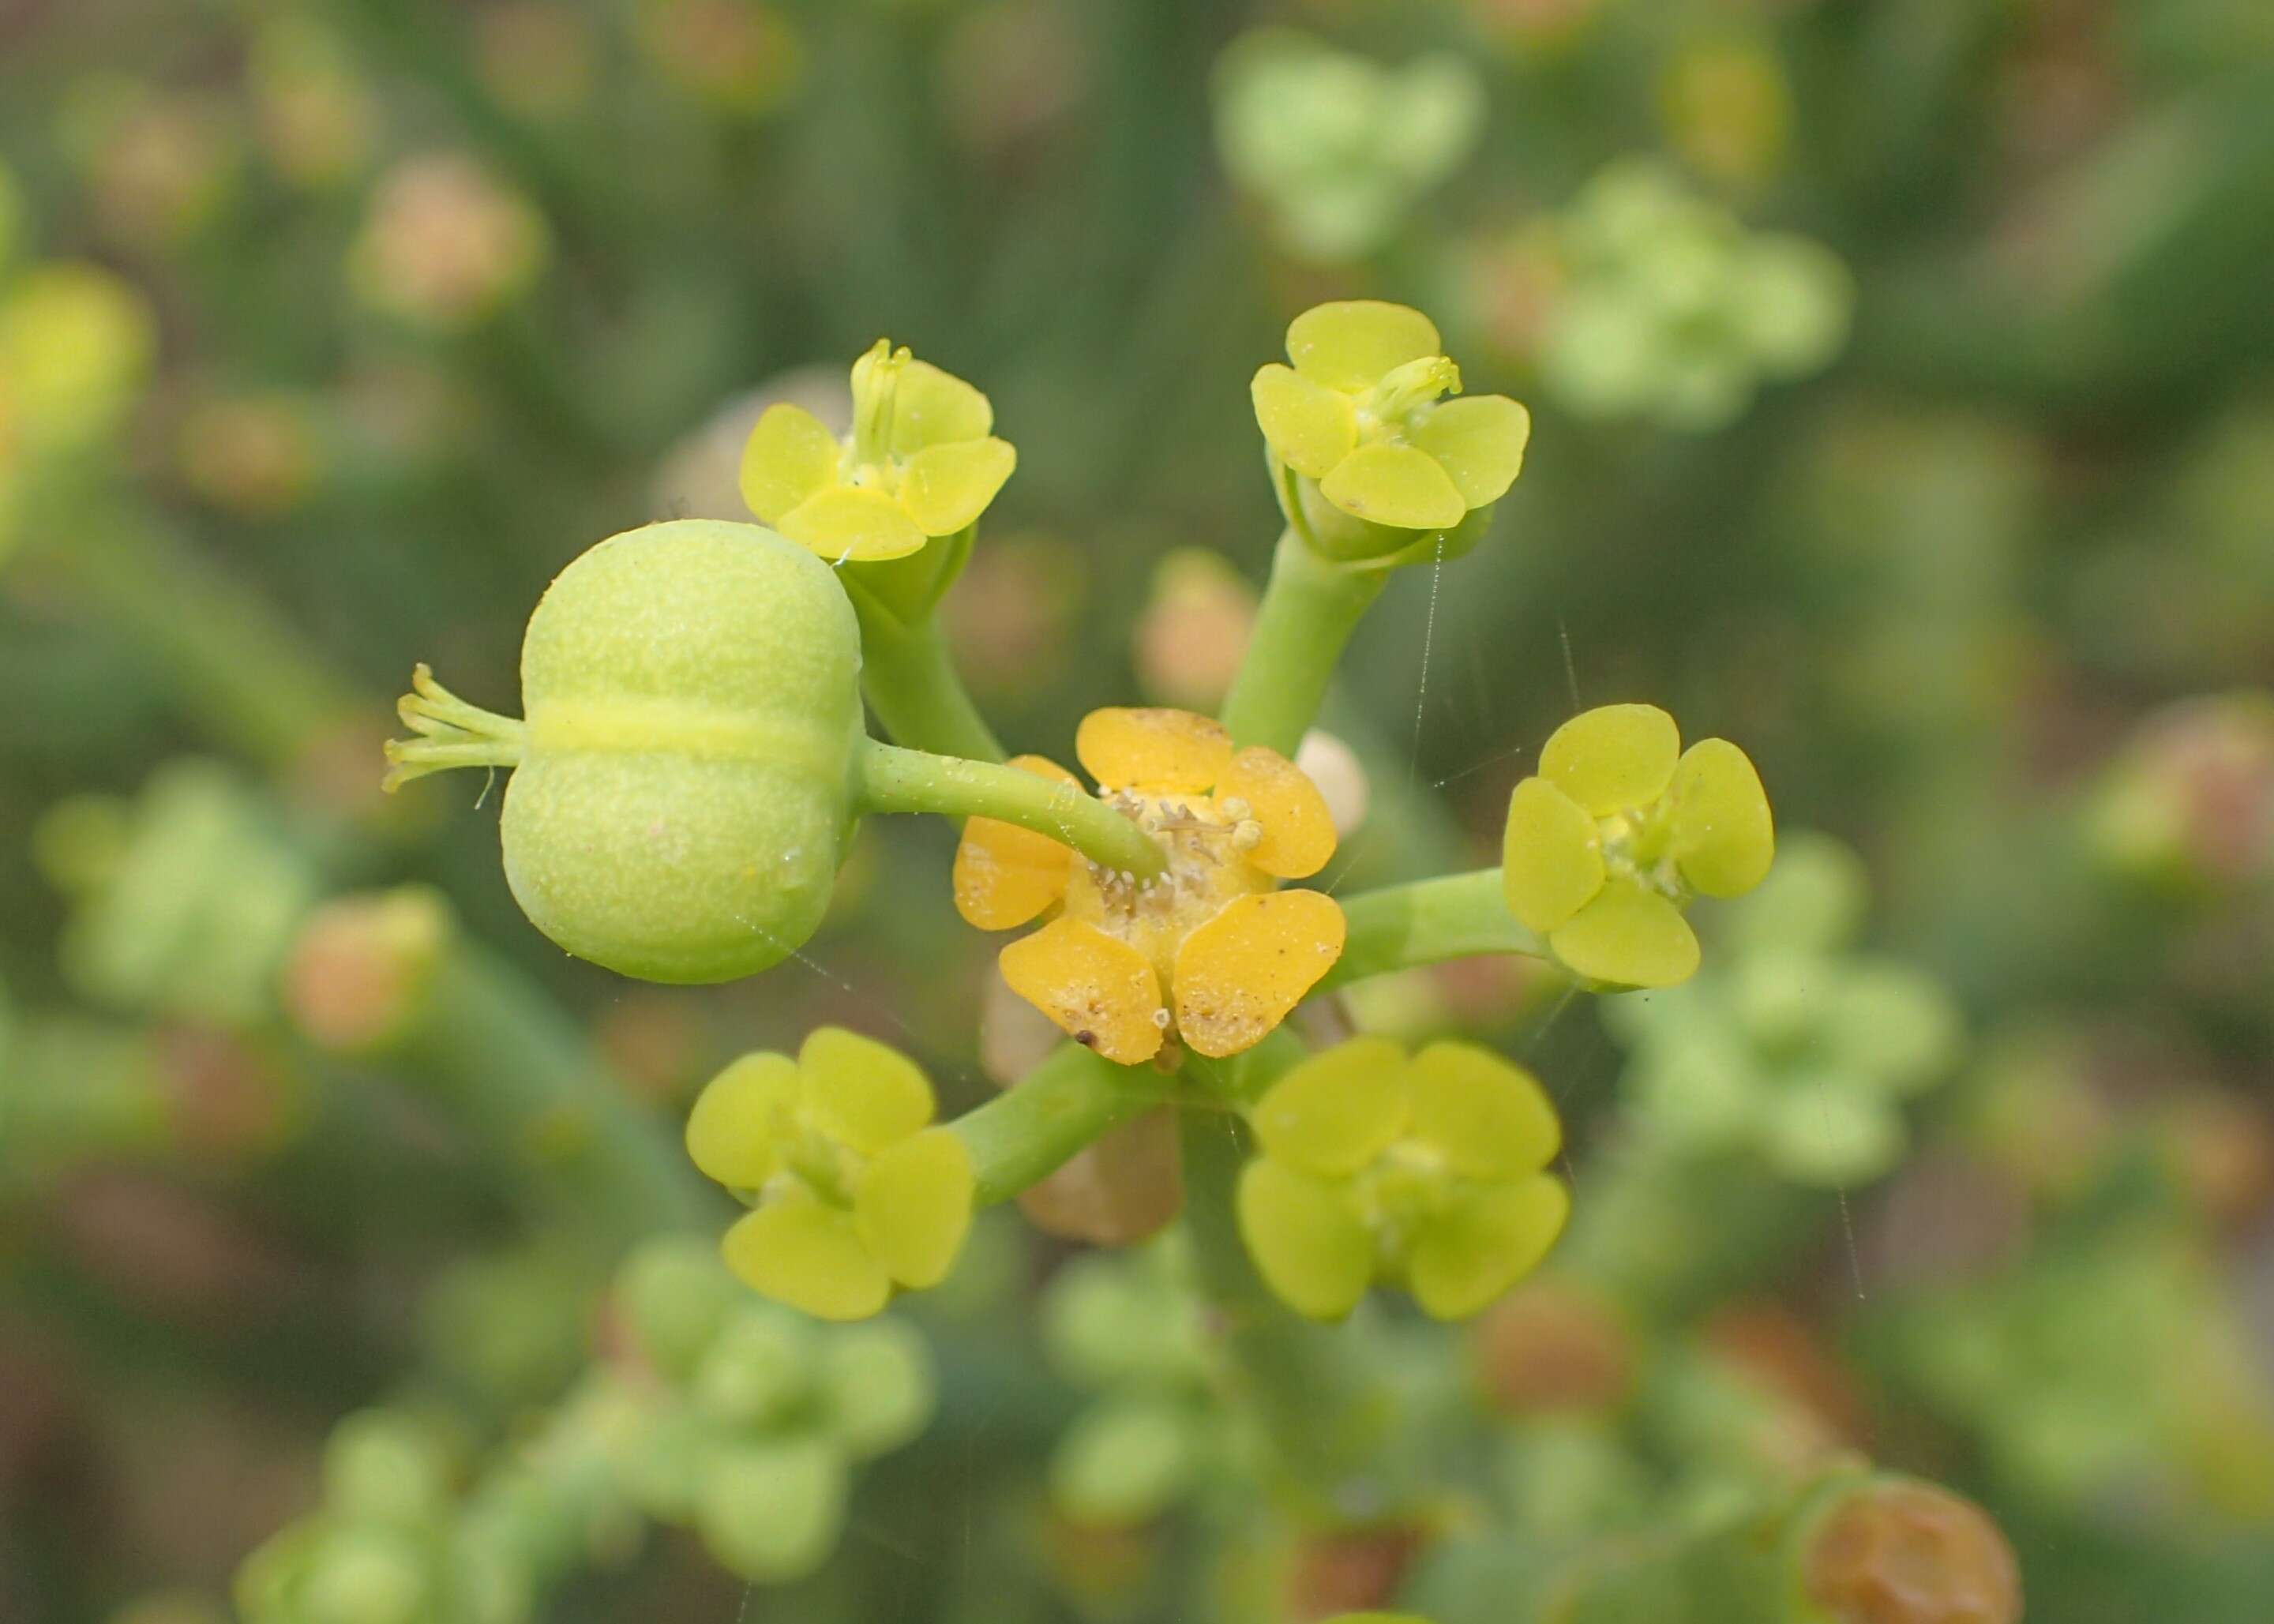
76, 343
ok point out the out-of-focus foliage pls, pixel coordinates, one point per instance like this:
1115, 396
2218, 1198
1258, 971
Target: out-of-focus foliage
1901, 378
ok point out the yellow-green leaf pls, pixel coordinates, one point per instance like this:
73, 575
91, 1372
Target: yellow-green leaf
1478, 442
1472, 1252
933, 407
1551, 855
1724, 836
1630, 937
1337, 1111
914, 1207
1310, 426
1310, 1248
862, 1093
946, 487
735, 1132
788, 457
800, 1252
1348, 344
1613, 757
1488, 1118
852, 523
1396, 485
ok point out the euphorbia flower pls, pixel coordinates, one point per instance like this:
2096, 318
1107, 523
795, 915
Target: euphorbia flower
1359, 412
855, 1192
922, 462
1235, 952
1429, 1171
1622, 827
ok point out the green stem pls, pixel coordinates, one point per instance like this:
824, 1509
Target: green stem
1023, 1135
1751, 1563
522, 1078
1302, 1381
891, 779
1426, 922
1310, 608
913, 686
541, 1505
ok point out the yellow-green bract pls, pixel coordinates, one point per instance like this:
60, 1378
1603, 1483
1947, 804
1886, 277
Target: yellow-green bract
683, 799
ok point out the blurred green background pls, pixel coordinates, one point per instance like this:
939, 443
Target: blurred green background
1902, 373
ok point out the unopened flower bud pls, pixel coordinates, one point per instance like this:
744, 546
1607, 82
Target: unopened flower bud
359, 975
1900, 1552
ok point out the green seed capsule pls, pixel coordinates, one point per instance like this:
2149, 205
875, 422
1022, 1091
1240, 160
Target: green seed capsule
682, 795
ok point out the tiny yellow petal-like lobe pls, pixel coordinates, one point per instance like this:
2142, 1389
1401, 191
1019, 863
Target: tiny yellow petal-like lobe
1241, 974
1098, 989
934, 408
1724, 834
1336, 1111
1397, 486
1489, 1117
1152, 749
860, 1092
1473, 1249
1479, 441
788, 457
1629, 937
1350, 343
852, 523
1298, 828
1006, 875
1311, 1248
1551, 860
945, 488
1613, 757
735, 1132
914, 1207
1310, 426
808, 1254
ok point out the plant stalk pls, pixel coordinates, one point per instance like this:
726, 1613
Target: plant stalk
913, 686
893, 779
1426, 922
1025, 1133
1311, 605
